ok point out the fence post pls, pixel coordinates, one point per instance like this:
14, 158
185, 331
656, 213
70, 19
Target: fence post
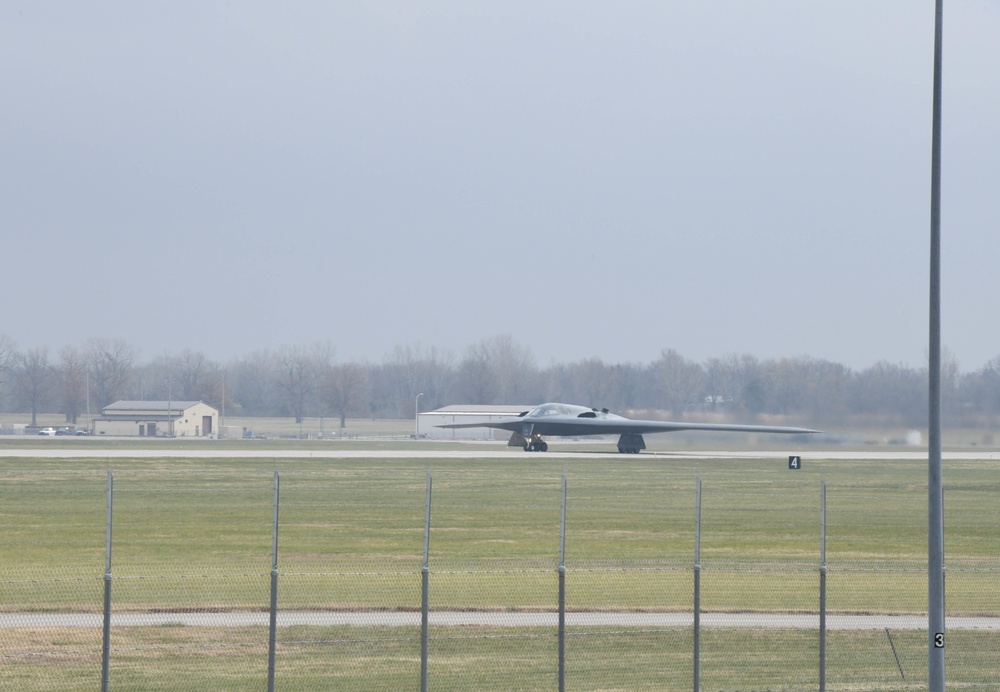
562, 590
822, 586
425, 590
106, 641
697, 587
273, 625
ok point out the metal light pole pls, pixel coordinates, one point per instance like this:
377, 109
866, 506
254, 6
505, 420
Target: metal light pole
562, 590
222, 417
935, 501
106, 639
87, 373
425, 575
272, 637
416, 417
170, 405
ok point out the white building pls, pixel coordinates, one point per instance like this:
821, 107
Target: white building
158, 419
467, 413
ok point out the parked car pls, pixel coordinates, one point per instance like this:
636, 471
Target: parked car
64, 431
80, 431
47, 431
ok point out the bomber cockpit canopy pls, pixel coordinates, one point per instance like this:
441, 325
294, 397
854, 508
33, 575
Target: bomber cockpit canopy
567, 410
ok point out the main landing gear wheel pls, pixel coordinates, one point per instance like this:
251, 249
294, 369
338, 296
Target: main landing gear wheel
536, 446
631, 443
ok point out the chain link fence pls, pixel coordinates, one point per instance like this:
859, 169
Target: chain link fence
193, 565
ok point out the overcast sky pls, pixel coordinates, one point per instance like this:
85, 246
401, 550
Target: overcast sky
596, 179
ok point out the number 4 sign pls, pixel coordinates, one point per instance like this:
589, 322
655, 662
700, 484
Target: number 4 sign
794, 463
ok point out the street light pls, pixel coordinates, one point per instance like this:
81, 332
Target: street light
416, 417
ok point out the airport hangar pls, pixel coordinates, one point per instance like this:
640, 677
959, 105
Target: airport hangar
467, 413
157, 419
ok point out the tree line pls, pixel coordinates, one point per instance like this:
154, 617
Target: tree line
308, 381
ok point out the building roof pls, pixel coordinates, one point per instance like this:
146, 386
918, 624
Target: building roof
481, 410
150, 406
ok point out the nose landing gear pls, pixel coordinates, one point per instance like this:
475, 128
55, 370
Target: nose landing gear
536, 444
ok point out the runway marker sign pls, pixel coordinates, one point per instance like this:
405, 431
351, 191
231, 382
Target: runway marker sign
794, 463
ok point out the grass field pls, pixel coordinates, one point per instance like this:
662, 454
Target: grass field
172, 658
196, 534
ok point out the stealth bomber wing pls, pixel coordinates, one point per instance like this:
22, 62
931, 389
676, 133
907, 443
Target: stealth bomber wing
571, 420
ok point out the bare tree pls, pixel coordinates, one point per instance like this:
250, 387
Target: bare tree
411, 369
680, 381
627, 379
890, 392
196, 377
212, 385
8, 353
296, 379
112, 366
594, 382
189, 376
299, 370
982, 391
187, 373
72, 378
950, 404
498, 370
811, 387
253, 384
32, 377
477, 379
344, 390
715, 384
515, 369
